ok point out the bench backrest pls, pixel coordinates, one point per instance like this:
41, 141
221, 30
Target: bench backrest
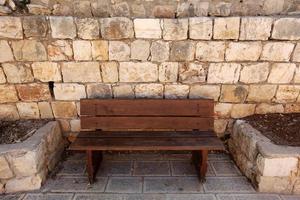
179, 114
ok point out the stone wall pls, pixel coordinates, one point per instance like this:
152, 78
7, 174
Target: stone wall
246, 64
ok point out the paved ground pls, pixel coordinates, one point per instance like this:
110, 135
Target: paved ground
150, 177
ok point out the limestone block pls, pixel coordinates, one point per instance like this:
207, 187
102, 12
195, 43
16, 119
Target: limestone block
11, 27
99, 49
5, 171
2, 76
220, 126
282, 73
286, 29
273, 7
242, 110
256, 28
60, 50
287, 93
223, 109
297, 75
81, 72
45, 110
296, 54
35, 26
116, 28
292, 108
29, 50
147, 28
8, 112
38, 9
265, 108
75, 125
168, 72
261, 93
176, 91
200, 28
140, 50
33, 92
64, 124
119, 51
109, 71
82, 50
33, 182
175, 29
87, 28
234, 93
123, 91
69, 91
8, 94
205, 91
159, 51
98, 90
46, 71
243, 51
1, 188
192, 73
182, 51
138, 72
164, 11
17, 73
227, 28
277, 51
82, 8
63, 27
223, 73
152, 90
254, 73
210, 51
6, 52
28, 110
64, 109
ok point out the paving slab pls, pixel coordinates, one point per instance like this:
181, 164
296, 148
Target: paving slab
120, 197
72, 167
151, 168
190, 197
248, 197
49, 196
124, 185
115, 168
11, 197
187, 168
290, 197
225, 168
218, 156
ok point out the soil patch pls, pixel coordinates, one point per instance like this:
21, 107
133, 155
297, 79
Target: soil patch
282, 129
18, 131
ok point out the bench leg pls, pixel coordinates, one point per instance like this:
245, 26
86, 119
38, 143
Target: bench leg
199, 158
94, 159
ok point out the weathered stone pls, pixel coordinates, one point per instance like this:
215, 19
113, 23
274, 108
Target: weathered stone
168, 72
220, 9
200, 28
164, 11
223, 109
220, 126
99, 49
273, 184
35, 26
33, 92
60, 50
82, 8
227, 28
287, 93
8, 112
28, 110
45, 110
140, 50
160, 51
116, 28
256, 28
109, 71
153, 90
296, 54
254, 73
210, 51
5, 171
2, 76
6, 53
205, 91
269, 108
11, 27
192, 73
81, 72
138, 9
243, 51
138, 72
82, 50
175, 29
242, 110
102, 91
120, 9
292, 108
46, 71
234, 93
119, 51
64, 124
273, 7
182, 51
75, 125
69, 91
4, 11
282, 73
63, 27
286, 29
29, 50
223, 73
123, 91
33, 182
100, 8
8, 94
38, 9
147, 28
64, 109
17, 73
261, 93
87, 28
277, 51
176, 91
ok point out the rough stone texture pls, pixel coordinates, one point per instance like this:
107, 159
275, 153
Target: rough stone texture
17, 73
210, 51
29, 50
226, 28
99, 49
28, 110
87, 28
8, 94
116, 28
35, 26
277, 51
123, 91
176, 91
256, 28
220, 126
99, 91
287, 93
5, 171
119, 51
82, 50
261, 93
242, 110
223, 73
264, 108
243, 51
59, 50
223, 109
8, 112
2, 76
182, 51
254, 73
168, 72
11, 27
296, 54
140, 50
33, 92
233, 93
286, 29
281, 73
153, 90
64, 109
159, 51
46, 71
109, 72
200, 28
175, 29
147, 28
69, 91
6, 52
23, 184
205, 91
192, 73
138, 72
63, 27
45, 110
81, 72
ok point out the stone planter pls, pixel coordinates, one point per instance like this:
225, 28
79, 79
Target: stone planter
24, 166
270, 167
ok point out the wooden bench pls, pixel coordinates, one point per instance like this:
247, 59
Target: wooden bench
174, 125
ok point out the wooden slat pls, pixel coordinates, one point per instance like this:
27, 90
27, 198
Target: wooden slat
147, 107
203, 124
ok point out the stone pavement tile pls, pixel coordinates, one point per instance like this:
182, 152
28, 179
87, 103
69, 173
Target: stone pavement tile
124, 185
172, 185
115, 168
186, 168
120, 197
218, 156
227, 184
74, 184
290, 197
49, 196
11, 197
134, 156
76, 156
72, 168
151, 168
178, 156
247, 197
190, 197
225, 168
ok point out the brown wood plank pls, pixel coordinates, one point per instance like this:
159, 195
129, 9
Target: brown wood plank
203, 124
147, 107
